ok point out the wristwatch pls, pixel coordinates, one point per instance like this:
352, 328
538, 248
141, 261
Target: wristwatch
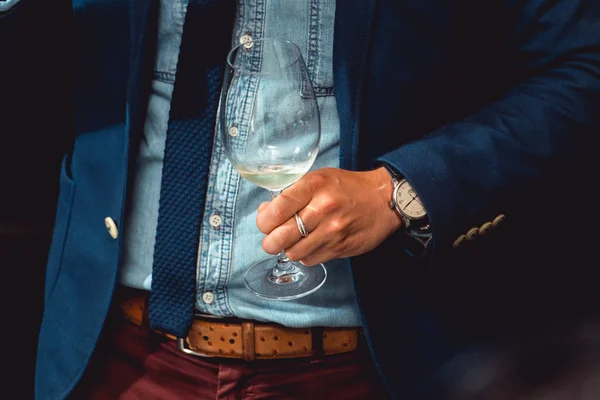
407, 204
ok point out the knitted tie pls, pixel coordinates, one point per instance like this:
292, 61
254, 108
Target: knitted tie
204, 46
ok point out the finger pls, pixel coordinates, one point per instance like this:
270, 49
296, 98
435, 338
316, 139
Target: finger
287, 234
312, 250
283, 207
263, 205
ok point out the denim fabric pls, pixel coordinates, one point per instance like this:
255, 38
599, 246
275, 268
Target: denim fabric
230, 240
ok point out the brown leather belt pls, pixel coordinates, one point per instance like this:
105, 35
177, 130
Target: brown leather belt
250, 340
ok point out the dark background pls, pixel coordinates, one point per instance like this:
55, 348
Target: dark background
36, 78
25, 255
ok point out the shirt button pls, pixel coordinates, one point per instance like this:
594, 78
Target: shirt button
111, 227
246, 40
208, 297
234, 131
215, 221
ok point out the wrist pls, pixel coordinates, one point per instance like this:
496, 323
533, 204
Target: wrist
385, 186
409, 208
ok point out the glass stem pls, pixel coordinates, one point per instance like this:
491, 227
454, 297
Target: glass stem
284, 265
284, 271
274, 193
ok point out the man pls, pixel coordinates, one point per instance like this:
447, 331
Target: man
487, 109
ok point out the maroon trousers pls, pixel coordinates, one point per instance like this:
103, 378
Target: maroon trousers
131, 363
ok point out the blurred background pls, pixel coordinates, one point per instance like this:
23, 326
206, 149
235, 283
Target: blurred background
35, 126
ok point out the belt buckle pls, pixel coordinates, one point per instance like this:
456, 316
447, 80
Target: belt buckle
181, 345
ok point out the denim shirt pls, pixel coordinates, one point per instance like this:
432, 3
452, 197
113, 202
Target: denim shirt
229, 238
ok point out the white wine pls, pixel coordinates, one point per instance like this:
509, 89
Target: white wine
273, 176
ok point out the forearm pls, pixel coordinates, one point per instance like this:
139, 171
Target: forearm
471, 171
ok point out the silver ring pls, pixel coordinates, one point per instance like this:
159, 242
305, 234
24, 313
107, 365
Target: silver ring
301, 226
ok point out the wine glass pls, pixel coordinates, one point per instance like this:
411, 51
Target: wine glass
270, 130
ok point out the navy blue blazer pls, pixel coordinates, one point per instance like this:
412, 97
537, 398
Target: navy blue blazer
490, 108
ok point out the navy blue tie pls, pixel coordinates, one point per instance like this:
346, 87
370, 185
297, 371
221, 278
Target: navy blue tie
205, 43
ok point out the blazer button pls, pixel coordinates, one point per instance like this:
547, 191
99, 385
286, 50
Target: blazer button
472, 233
498, 220
111, 227
461, 239
483, 229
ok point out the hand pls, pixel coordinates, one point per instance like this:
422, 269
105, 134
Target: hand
346, 213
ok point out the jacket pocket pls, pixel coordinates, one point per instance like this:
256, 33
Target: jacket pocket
61, 227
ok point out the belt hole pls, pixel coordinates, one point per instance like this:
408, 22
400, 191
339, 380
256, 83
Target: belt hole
275, 337
262, 339
205, 338
231, 341
290, 343
222, 339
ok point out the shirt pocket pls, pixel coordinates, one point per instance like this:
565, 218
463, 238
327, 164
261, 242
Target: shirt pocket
311, 28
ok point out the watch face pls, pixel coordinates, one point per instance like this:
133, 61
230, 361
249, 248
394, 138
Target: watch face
408, 202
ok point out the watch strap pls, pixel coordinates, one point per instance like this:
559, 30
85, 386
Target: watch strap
420, 230
396, 176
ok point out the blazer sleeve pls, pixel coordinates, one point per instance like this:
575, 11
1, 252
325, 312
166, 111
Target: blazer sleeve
472, 170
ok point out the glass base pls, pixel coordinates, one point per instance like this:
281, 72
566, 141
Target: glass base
290, 282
